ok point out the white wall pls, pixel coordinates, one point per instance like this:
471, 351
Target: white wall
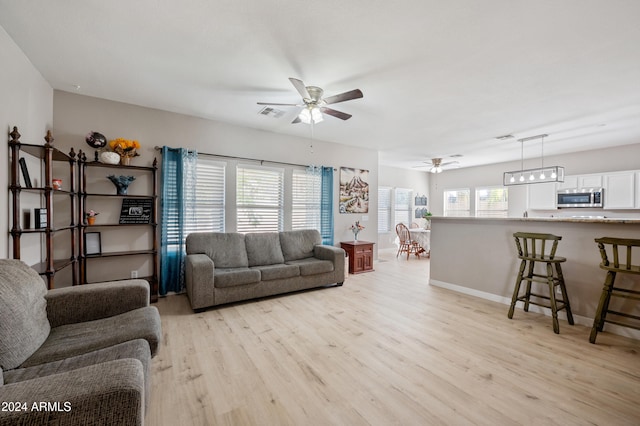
416, 180
75, 115
27, 102
595, 161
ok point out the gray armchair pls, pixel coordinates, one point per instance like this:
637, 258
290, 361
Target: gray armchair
77, 355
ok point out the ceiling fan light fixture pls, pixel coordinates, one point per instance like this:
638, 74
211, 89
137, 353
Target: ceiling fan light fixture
436, 169
309, 114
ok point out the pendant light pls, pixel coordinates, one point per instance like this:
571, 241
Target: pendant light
540, 175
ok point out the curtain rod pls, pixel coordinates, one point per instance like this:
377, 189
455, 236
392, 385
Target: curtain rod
158, 148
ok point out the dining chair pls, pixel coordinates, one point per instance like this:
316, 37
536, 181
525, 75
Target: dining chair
414, 225
406, 244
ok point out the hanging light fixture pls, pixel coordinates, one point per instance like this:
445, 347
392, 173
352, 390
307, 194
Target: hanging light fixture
539, 175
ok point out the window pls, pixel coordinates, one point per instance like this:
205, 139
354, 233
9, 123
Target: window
384, 209
457, 203
305, 199
260, 201
208, 212
402, 209
492, 202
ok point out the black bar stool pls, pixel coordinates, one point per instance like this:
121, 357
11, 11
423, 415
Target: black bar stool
613, 245
531, 249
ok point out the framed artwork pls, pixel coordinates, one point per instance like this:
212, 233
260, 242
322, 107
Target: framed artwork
136, 211
92, 244
354, 190
421, 200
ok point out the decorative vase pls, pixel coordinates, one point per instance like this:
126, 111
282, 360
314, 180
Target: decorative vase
109, 157
355, 236
125, 161
91, 220
121, 182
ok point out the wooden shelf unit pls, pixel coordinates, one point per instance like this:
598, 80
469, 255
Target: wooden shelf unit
84, 195
47, 155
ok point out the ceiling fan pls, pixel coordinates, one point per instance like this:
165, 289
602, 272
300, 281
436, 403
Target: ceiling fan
314, 104
437, 166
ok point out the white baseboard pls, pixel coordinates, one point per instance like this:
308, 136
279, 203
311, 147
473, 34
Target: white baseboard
578, 319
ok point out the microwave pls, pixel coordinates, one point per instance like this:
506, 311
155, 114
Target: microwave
591, 197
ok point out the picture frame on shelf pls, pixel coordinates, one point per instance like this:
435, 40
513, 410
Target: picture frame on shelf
136, 211
92, 244
25, 173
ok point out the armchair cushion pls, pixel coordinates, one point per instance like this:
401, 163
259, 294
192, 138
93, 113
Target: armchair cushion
80, 338
23, 318
95, 301
106, 393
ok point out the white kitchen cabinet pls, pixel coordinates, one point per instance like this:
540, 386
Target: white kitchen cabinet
570, 182
620, 190
542, 196
590, 181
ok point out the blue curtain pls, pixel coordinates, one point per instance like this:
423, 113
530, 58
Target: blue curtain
326, 206
177, 199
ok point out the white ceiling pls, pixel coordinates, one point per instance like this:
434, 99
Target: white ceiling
439, 78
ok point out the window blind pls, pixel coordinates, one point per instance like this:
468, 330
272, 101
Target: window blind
402, 209
457, 202
306, 192
492, 202
207, 213
260, 201
384, 209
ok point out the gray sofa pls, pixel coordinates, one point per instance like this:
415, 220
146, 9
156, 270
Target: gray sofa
229, 267
76, 355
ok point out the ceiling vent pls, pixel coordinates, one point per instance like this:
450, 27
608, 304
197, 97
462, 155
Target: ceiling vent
271, 112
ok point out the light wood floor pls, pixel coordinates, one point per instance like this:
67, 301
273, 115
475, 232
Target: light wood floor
386, 348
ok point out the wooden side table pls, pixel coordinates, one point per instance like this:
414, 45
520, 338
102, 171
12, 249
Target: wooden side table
360, 255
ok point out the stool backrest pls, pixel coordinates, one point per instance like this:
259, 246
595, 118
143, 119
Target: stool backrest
530, 244
614, 245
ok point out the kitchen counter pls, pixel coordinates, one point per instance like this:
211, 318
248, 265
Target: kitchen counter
631, 221
477, 256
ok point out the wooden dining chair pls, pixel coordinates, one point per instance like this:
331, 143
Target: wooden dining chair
406, 244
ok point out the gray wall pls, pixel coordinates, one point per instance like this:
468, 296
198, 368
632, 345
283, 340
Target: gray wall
27, 102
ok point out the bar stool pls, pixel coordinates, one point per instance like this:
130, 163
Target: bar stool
531, 249
612, 245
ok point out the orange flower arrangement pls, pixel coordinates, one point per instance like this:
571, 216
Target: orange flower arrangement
125, 147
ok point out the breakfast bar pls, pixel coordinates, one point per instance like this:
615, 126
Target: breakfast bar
477, 256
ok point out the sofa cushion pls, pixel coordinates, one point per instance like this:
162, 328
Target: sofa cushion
299, 244
263, 248
312, 266
226, 249
229, 277
24, 326
277, 272
80, 338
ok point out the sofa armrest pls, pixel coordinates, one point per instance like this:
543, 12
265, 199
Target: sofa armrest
106, 393
335, 255
94, 301
198, 274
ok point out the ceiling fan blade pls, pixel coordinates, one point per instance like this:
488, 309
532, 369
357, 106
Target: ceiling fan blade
449, 163
274, 103
346, 96
338, 114
296, 120
300, 87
